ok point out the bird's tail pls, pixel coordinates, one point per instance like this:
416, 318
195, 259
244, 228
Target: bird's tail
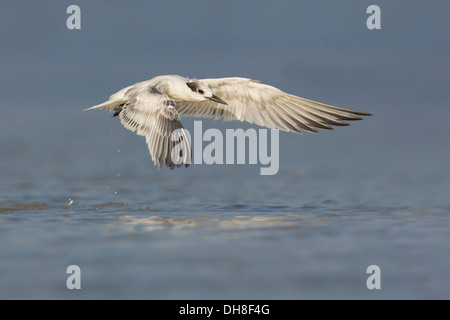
110, 104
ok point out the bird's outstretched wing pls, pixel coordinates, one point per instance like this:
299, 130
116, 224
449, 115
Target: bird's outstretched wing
153, 115
252, 101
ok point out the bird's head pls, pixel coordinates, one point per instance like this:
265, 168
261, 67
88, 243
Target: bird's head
201, 92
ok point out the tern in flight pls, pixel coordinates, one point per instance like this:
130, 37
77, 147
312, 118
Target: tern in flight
153, 108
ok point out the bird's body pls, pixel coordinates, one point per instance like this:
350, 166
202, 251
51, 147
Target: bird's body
152, 108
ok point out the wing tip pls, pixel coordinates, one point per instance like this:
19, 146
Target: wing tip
359, 113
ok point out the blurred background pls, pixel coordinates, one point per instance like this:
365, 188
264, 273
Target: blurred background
78, 188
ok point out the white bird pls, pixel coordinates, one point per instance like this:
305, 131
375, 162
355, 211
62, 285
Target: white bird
152, 108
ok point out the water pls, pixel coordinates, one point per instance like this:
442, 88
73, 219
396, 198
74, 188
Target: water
76, 188
220, 232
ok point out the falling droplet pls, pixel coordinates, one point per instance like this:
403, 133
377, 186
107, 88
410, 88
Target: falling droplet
69, 203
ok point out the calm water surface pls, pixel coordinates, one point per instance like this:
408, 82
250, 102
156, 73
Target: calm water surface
340, 203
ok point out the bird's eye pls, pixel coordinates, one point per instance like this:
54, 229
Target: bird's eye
201, 91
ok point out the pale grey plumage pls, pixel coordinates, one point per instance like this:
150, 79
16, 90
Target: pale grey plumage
152, 109
153, 116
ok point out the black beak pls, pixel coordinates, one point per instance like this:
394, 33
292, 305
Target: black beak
217, 99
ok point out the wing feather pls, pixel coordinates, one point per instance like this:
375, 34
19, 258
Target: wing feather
252, 101
152, 116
